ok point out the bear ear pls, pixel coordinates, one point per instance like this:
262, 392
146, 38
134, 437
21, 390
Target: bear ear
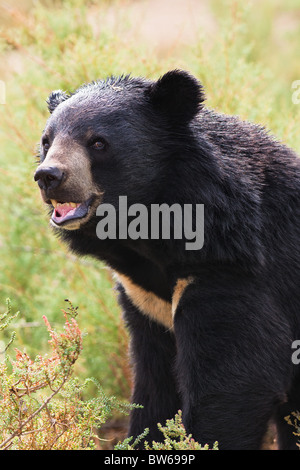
55, 98
177, 94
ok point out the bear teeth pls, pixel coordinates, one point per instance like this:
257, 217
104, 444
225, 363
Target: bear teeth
58, 204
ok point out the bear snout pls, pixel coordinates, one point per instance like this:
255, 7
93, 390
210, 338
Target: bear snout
49, 177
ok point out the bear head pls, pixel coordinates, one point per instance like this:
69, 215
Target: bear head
112, 137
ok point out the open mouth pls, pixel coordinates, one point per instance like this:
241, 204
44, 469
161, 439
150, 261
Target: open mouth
65, 212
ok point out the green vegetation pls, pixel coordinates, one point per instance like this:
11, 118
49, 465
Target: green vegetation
175, 438
42, 405
294, 421
247, 61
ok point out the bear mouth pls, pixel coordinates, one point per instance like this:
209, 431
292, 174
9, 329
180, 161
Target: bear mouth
69, 214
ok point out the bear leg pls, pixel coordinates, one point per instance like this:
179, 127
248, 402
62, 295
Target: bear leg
153, 352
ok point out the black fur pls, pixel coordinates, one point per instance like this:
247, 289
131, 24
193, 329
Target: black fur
55, 98
227, 363
177, 95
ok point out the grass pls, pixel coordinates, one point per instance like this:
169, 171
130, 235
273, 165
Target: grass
247, 63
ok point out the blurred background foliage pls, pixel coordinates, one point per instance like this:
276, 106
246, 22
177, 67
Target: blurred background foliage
244, 52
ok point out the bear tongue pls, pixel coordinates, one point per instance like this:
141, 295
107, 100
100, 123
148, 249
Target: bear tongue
62, 211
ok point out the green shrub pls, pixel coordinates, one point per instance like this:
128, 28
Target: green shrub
41, 404
175, 438
294, 421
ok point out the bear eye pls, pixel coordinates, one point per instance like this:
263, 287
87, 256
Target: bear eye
46, 145
98, 144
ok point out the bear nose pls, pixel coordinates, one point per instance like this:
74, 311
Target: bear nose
49, 178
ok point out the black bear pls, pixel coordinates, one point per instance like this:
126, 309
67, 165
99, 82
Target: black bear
212, 325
